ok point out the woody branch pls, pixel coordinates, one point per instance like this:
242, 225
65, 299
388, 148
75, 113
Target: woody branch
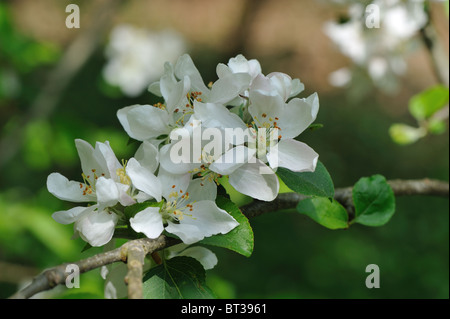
134, 251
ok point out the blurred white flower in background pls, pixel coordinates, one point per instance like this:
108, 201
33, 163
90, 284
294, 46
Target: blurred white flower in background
136, 56
340, 78
380, 50
402, 20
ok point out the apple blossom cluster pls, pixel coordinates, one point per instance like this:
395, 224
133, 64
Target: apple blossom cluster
239, 129
376, 37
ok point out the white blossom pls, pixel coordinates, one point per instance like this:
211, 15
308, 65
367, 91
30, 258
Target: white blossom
136, 56
187, 211
181, 86
106, 183
243, 127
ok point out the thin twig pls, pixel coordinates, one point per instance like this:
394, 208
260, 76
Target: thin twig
438, 54
57, 275
134, 252
419, 187
344, 196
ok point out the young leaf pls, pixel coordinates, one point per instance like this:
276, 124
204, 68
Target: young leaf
240, 239
426, 103
436, 126
86, 247
328, 213
177, 278
316, 126
404, 134
374, 201
317, 183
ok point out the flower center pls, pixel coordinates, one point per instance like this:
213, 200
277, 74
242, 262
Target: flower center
176, 208
188, 108
160, 106
206, 174
263, 139
121, 173
194, 96
266, 122
89, 182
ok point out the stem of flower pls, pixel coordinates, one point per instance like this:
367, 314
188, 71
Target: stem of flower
156, 257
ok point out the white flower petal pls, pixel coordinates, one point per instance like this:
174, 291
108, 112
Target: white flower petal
206, 220
176, 157
293, 155
155, 89
167, 81
240, 64
177, 94
62, 188
200, 189
143, 179
148, 156
265, 107
203, 255
115, 286
297, 87
223, 70
107, 192
148, 221
124, 198
262, 83
232, 160
185, 67
173, 182
104, 271
217, 116
248, 180
298, 115
112, 163
142, 197
281, 83
172, 90
143, 122
97, 227
229, 87
66, 217
122, 115
92, 161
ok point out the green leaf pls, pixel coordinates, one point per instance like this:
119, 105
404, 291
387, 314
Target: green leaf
177, 278
426, 103
437, 126
86, 247
374, 201
240, 239
328, 213
131, 141
221, 191
316, 126
317, 183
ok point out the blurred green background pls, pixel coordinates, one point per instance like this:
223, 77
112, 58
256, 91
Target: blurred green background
293, 256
